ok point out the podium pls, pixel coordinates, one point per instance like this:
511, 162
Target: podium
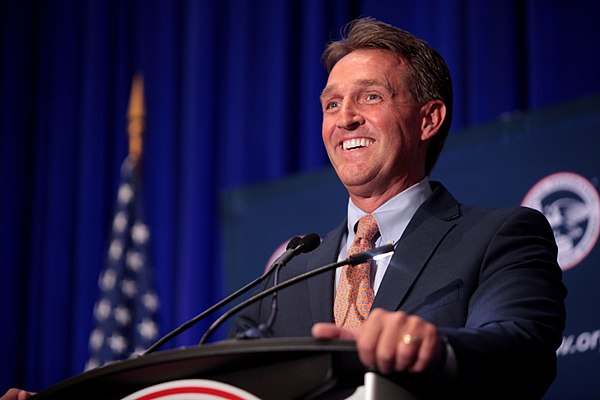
280, 368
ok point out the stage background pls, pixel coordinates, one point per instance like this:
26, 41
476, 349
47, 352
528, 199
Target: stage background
232, 93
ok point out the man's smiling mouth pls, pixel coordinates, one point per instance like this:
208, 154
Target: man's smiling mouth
356, 143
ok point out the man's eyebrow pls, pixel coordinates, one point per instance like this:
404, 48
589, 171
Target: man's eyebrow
361, 83
326, 91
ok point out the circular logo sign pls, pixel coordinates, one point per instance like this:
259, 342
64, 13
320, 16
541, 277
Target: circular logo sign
572, 206
191, 389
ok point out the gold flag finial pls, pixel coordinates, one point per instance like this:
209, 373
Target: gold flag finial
136, 118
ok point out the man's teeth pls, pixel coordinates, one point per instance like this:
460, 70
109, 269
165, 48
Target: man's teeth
356, 143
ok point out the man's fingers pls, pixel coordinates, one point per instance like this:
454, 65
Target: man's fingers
326, 330
389, 341
429, 350
16, 394
25, 395
377, 344
396, 341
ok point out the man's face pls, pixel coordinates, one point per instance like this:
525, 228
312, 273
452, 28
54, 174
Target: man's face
371, 125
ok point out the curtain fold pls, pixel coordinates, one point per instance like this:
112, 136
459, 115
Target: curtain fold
232, 98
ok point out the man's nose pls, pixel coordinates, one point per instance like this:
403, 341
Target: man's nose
350, 117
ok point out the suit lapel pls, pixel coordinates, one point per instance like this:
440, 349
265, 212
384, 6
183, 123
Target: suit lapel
430, 224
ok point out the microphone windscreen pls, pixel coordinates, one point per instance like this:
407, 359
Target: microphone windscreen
293, 243
310, 242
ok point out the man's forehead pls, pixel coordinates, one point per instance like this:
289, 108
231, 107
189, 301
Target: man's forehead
378, 57
366, 67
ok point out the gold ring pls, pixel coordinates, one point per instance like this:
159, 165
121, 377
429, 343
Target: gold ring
409, 339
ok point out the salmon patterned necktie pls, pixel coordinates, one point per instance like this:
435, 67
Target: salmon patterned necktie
354, 295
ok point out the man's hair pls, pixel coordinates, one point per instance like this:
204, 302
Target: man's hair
428, 75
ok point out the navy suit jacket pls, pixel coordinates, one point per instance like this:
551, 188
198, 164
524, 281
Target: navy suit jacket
486, 277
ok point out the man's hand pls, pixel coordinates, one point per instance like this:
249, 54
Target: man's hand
390, 341
16, 394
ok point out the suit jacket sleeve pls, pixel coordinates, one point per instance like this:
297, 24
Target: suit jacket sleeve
515, 314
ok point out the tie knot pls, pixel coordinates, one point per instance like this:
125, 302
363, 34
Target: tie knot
367, 228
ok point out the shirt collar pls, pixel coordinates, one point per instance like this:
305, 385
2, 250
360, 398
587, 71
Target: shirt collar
394, 215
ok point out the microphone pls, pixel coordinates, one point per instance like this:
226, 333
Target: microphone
294, 247
304, 245
375, 253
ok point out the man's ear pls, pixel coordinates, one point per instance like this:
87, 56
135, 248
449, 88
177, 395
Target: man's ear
433, 115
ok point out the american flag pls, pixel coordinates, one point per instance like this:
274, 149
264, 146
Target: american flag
125, 313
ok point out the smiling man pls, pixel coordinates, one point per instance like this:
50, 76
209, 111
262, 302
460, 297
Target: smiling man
472, 296
375, 134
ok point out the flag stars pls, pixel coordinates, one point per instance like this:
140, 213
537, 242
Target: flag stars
125, 193
96, 339
108, 280
115, 250
150, 301
129, 288
91, 364
117, 343
120, 222
147, 329
135, 262
122, 315
140, 233
102, 310
126, 311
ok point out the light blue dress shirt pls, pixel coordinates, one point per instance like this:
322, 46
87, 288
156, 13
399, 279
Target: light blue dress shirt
392, 218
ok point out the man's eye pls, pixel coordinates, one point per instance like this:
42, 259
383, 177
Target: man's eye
332, 104
373, 96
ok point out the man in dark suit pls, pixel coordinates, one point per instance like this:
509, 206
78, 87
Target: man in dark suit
474, 294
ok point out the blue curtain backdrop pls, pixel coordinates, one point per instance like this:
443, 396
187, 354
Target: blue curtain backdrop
232, 93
